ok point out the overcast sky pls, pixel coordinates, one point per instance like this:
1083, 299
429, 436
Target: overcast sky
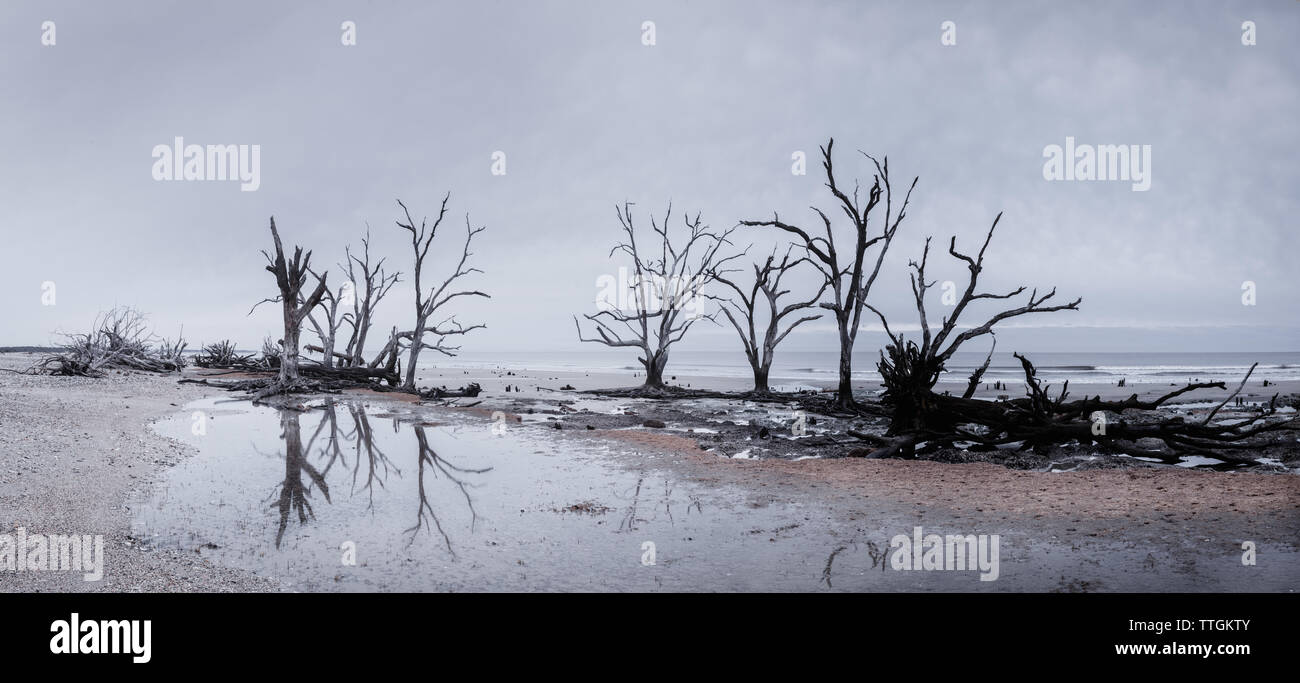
707, 117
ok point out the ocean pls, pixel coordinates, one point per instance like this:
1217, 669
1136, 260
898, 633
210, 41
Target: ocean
821, 366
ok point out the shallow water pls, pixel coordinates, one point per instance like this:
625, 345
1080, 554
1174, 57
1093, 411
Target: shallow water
452, 505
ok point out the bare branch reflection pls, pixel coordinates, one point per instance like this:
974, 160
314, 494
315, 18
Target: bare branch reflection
424, 512
333, 444
293, 491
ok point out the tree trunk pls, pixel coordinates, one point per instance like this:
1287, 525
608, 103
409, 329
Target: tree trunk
913, 408
909, 392
289, 278
328, 345
289, 350
654, 369
760, 379
844, 394
359, 342
392, 366
414, 357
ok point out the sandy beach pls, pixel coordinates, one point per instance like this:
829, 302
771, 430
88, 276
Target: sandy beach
572, 486
73, 452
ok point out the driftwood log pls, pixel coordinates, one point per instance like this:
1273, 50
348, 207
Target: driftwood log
1037, 421
470, 391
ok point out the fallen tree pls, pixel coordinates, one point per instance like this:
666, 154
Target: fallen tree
313, 378
119, 339
222, 354
470, 390
921, 416
1037, 421
360, 375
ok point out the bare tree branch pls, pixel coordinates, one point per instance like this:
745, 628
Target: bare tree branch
662, 287
428, 302
850, 281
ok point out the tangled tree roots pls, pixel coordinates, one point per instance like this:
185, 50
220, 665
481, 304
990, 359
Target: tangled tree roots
119, 339
1038, 421
223, 355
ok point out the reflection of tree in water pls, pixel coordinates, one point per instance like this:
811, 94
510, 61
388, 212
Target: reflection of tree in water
631, 516
370, 466
435, 464
365, 451
293, 491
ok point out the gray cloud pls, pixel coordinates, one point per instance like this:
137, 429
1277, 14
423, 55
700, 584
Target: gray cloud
707, 118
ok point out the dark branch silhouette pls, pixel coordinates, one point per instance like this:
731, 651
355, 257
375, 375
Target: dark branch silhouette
428, 459
374, 285
911, 371
428, 302
850, 279
746, 315
1037, 420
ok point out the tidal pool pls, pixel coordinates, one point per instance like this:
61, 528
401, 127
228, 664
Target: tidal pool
387, 496
438, 500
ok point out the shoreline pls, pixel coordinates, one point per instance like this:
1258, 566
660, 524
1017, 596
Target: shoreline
73, 453
121, 457
494, 380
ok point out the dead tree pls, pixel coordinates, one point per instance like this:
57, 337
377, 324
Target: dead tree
849, 279
427, 303
1038, 421
222, 354
651, 314
746, 318
388, 356
374, 284
910, 371
328, 332
290, 276
119, 339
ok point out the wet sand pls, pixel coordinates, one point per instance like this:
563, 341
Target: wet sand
570, 508
529, 507
73, 452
